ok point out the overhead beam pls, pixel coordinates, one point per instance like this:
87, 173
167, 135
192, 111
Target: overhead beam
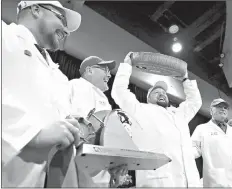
204, 21
227, 46
176, 17
215, 34
210, 21
161, 9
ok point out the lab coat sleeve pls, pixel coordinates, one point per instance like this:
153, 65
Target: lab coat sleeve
197, 142
18, 127
120, 93
4, 25
193, 101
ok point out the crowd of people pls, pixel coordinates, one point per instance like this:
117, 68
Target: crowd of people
38, 100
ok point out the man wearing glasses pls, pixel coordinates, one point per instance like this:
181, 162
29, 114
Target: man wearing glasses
213, 141
49, 22
87, 93
35, 92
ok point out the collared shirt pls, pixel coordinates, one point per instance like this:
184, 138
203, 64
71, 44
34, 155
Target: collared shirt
215, 147
222, 125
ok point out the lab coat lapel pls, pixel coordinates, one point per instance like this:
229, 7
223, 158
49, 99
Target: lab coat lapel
40, 56
50, 61
229, 131
28, 44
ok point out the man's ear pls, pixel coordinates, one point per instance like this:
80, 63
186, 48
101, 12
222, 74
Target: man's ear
36, 11
211, 111
88, 69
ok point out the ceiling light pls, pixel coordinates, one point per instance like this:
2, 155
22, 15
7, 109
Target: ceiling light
176, 47
173, 29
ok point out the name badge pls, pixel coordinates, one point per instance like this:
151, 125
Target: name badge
214, 133
102, 103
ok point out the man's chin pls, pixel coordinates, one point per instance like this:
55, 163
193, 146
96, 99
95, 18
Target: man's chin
163, 104
105, 88
54, 47
56, 44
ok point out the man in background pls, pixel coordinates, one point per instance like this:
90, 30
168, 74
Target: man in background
213, 141
164, 129
87, 93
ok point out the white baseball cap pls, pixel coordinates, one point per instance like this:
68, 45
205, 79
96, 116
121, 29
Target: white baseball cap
159, 84
219, 101
73, 17
94, 60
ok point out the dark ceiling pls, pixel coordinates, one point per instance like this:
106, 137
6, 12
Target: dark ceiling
201, 30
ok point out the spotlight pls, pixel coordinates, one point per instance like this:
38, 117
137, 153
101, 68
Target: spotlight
176, 47
173, 29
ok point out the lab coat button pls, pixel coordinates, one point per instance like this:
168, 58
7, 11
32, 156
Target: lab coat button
27, 52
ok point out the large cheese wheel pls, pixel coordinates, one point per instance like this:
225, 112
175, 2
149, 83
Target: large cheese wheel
157, 63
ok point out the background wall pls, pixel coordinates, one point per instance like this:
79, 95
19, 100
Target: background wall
98, 36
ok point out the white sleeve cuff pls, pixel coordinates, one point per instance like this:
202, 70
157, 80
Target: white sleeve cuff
125, 69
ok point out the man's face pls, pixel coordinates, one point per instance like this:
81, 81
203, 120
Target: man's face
159, 96
220, 112
52, 24
100, 77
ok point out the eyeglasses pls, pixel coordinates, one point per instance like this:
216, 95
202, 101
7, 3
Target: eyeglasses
222, 107
58, 15
106, 69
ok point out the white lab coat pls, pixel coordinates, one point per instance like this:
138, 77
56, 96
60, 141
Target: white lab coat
164, 130
84, 97
34, 94
215, 147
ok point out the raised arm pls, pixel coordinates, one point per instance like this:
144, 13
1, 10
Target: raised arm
193, 101
120, 93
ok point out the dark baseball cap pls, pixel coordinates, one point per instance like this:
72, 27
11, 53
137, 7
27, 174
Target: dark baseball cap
94, 60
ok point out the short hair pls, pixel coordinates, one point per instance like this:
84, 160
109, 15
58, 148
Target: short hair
22, 13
